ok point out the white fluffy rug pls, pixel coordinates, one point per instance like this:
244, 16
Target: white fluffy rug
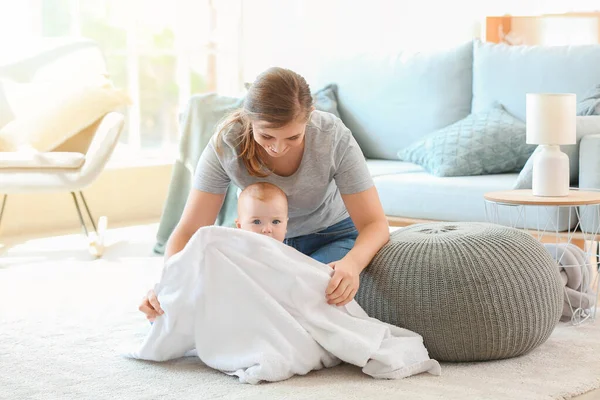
63, 318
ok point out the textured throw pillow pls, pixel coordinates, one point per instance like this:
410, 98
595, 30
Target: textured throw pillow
326, 100
590, 105
586, 125
47, 114
489, 142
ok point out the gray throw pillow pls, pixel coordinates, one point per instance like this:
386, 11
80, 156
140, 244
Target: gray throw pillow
586, 125
590, 105
490, 142
324, 99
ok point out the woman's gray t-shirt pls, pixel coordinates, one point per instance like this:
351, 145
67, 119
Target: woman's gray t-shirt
332, 164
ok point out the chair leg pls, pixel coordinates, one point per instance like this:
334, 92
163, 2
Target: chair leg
81, 220
3, 205
96, 237
92, 220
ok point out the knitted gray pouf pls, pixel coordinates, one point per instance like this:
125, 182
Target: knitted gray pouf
474, 291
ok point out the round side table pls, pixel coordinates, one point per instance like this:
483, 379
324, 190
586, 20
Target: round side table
569, 227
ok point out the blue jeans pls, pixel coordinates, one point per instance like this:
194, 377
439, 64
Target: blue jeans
330, 244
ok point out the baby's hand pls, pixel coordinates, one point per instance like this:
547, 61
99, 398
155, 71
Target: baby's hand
150, 306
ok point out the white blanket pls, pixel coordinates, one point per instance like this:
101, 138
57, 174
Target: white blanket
256, 308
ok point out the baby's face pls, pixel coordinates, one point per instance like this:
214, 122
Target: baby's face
267, 218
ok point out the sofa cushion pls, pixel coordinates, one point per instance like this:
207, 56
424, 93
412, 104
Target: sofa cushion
390, 101
504, 74
419, 195
387, 167
37, 160
488, 142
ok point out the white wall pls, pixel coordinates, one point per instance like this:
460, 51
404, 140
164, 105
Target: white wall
303, 34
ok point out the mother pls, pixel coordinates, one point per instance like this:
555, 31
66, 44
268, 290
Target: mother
278, 137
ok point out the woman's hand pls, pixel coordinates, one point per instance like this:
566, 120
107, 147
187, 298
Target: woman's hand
150, 306
344, 283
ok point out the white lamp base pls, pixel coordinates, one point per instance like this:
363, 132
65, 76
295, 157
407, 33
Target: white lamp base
550, 172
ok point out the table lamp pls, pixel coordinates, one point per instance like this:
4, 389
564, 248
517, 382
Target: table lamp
551, 121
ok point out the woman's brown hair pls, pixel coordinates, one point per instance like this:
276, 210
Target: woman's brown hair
277, 97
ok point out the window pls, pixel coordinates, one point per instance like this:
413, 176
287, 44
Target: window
160, 51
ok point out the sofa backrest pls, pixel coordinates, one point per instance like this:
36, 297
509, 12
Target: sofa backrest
389, 101
504, 74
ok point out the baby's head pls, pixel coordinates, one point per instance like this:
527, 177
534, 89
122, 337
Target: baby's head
263, 208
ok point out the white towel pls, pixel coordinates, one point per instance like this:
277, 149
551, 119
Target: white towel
256, 308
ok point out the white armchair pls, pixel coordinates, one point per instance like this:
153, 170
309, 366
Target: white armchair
49, 95
71, 167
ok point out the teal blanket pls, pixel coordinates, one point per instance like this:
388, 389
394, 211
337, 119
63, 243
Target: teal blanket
197, 124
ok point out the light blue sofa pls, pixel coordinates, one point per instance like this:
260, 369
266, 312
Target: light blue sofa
390, 101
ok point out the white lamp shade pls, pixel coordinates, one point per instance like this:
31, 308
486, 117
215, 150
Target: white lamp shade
551, 118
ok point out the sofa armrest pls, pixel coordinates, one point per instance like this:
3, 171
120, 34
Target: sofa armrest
589, 162
589, 178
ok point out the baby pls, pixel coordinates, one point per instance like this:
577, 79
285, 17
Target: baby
263, 208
